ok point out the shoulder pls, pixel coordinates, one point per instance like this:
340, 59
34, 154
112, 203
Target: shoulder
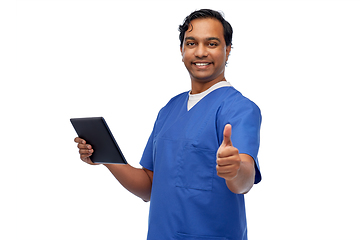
174, 103
236, 101
177, 98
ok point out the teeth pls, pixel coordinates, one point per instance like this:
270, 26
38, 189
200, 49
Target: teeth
201, 64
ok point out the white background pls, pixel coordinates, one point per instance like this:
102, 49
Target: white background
298, 60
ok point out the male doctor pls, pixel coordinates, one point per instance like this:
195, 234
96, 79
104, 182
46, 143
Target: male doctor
201, 157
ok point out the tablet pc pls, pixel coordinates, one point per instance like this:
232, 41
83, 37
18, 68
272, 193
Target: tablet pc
96, 132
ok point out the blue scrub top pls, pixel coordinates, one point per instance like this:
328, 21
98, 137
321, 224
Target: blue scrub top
188, 199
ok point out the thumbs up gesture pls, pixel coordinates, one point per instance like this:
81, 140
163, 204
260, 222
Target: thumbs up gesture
228, 158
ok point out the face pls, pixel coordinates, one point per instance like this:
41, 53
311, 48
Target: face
204, 50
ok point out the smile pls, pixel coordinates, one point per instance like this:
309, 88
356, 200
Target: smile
202, 64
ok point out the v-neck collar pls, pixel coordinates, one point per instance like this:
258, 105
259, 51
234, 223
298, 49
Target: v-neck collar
194, 99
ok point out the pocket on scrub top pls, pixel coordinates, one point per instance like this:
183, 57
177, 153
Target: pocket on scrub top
183, 236
196, 169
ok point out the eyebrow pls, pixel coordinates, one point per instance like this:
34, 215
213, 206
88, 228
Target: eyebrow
213, 38
207, 39
189, 38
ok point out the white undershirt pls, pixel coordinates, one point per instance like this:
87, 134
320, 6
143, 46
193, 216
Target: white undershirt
195, 98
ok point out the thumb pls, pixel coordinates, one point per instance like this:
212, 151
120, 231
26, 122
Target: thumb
227, 135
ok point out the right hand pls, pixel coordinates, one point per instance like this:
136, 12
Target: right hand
85, 150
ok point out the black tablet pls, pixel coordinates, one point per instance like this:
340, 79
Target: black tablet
96, 132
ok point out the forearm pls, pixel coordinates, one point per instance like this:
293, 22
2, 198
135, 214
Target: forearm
244, 180
135, 180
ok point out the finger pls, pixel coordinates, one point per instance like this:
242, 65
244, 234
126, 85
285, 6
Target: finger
228, 171
86, 151
84, 157
79, 140
224, 169
84, 146
228, 161
227, 175
227, 135
224, 162
228, 151
88, 161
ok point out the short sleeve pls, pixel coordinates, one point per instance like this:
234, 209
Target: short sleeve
245, 119
147, 160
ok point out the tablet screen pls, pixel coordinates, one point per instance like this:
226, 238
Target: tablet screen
96, 132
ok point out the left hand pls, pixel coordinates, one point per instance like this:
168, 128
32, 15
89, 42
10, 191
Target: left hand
228, 158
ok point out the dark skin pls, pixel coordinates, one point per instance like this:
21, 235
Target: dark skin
136, 180
204, 54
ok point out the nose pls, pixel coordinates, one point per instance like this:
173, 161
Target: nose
201, 51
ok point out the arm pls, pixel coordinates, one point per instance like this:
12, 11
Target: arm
244, 172
136, 180
237, 169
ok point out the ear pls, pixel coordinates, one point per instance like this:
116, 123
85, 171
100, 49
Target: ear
182, 53
228, 50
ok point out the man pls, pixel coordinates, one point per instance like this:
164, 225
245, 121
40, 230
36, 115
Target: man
202, 154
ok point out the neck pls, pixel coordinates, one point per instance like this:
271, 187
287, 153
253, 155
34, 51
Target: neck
199, 87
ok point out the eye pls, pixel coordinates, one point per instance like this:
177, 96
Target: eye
190, 44
213, 44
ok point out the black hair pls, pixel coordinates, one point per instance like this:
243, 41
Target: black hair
206, 13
